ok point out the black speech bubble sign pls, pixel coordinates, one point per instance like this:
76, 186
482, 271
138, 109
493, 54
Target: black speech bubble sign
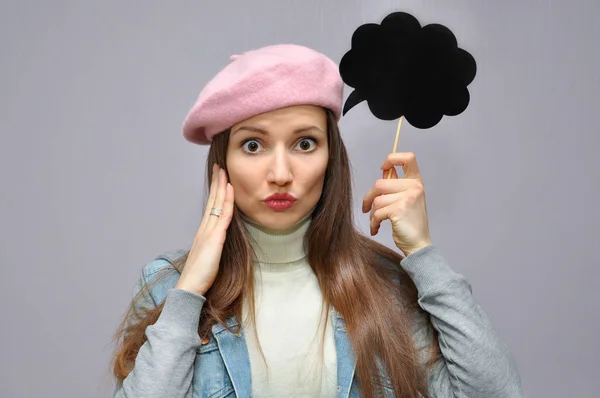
403, 69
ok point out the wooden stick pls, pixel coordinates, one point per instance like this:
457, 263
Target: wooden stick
395, 144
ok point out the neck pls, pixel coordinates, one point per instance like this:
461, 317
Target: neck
277, 246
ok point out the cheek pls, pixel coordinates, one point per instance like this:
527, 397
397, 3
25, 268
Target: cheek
314, 175
244, 177
241, 177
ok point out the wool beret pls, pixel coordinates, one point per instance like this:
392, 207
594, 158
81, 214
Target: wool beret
262, 80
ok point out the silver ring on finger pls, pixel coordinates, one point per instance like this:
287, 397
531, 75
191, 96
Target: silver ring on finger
216, 212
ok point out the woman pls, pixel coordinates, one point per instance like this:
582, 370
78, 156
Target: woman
280, 295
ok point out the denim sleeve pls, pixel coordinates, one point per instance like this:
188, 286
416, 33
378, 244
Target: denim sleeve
474, 362
164, 365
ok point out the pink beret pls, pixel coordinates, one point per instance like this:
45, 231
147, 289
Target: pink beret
260, 81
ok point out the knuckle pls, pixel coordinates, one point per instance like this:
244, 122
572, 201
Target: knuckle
375, 214
377, 202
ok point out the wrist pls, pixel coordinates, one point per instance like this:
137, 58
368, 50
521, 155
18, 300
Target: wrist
192, 289
413, 249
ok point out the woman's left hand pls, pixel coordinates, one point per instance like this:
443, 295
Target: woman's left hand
402, 201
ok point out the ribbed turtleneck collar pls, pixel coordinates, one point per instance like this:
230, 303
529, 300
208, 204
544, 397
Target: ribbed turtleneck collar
277, 247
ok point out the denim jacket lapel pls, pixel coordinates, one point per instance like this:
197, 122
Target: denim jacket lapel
346, 361
234, 352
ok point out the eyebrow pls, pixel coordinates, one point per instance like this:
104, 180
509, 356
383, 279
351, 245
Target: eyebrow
264, 132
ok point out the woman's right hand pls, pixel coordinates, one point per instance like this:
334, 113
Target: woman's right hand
202, 265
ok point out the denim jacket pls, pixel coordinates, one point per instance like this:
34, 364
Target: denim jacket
175, 363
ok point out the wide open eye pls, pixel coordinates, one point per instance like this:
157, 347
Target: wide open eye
253, 147
305, 146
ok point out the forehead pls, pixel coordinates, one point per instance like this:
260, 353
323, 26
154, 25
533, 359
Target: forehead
286, 119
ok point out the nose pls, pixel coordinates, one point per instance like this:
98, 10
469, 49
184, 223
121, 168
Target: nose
280, 171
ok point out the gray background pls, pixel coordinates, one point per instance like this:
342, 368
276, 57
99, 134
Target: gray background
97, 179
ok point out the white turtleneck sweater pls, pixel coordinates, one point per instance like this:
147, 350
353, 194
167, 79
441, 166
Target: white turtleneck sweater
290, 319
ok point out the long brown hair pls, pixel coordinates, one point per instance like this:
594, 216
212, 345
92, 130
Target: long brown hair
362, 279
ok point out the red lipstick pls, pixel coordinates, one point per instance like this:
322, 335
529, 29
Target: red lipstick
280, 201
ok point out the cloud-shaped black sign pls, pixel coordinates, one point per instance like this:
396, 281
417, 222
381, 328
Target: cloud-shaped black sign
403, 69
